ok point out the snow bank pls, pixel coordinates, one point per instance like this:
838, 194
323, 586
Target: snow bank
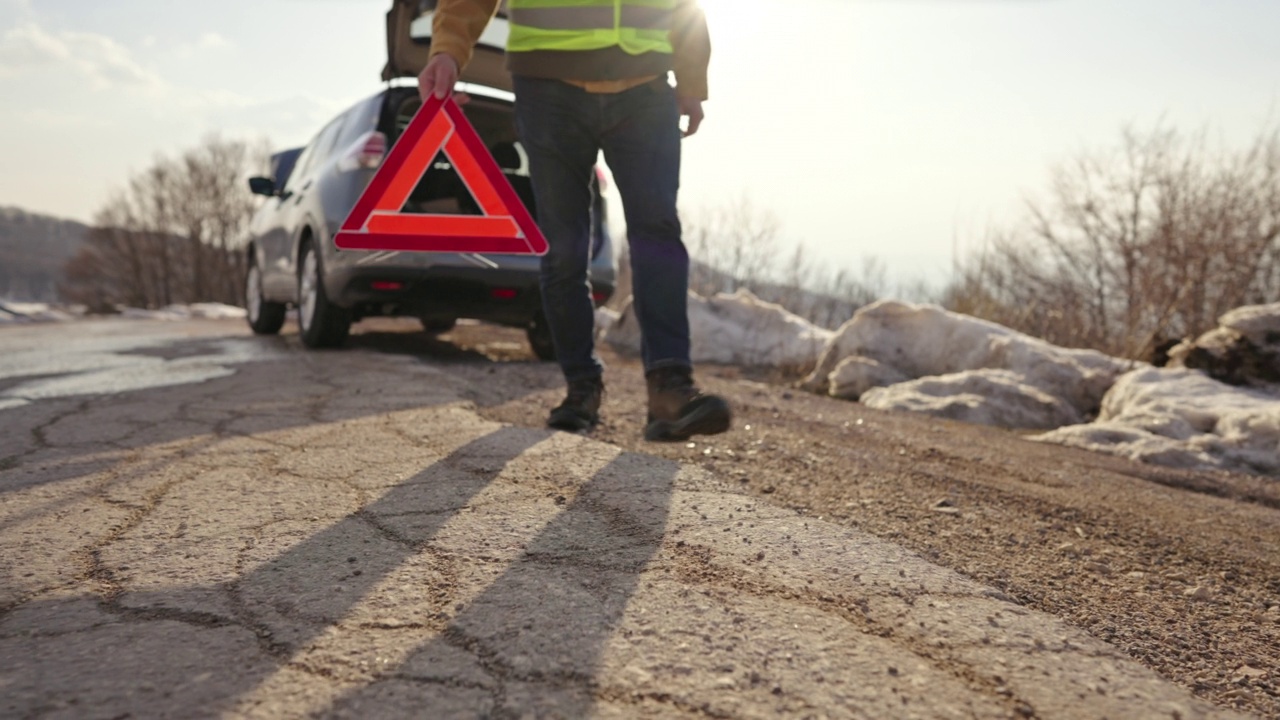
1243, 350
1217, 407
923, 354
921, 358
1260, 324
986, 397
28, 312
197, 311
1183, 418
735, 328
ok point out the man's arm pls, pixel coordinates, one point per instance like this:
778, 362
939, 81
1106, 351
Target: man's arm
692, 45
455, 28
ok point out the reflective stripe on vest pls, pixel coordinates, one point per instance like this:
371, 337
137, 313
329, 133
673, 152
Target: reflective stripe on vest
637, 26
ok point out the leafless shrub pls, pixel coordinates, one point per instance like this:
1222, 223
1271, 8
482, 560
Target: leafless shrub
1152, 240
170, 235
734, 245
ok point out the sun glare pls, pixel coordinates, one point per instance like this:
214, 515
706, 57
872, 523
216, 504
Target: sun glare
737, 18
718, 8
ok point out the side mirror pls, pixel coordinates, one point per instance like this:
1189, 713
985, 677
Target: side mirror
262, 186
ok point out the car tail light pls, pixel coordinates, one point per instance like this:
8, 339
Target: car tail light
503, 293
366, 153
386, 285
600, 298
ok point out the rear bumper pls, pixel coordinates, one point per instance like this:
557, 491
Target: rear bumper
508, 297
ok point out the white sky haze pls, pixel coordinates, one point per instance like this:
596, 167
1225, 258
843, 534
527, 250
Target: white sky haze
892, 128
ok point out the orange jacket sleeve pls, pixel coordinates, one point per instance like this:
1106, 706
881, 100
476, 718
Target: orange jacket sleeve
457, 26
692, 44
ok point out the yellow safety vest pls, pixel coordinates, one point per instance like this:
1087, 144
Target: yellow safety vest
636, 26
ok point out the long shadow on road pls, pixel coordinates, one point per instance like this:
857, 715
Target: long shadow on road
537, 633
286, 601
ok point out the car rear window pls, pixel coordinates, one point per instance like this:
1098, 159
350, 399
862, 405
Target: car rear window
317, 150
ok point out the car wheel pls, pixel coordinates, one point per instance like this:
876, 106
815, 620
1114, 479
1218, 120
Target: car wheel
435, 326
321, 323
265, 317
539, 334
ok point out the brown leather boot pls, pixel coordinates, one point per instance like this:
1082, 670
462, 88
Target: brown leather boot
581, 407
678, 410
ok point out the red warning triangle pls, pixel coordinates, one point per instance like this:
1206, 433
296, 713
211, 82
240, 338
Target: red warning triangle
377, 222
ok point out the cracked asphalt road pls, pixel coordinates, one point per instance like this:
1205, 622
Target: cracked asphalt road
199, 523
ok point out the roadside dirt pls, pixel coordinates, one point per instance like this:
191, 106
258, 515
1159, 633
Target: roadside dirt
1180, 570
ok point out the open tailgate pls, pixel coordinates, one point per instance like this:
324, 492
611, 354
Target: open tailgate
409, 44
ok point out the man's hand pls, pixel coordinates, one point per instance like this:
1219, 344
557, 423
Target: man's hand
692, 109
438, 77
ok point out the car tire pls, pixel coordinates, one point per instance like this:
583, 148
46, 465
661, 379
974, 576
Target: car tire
265, 317
539, 334
320, 323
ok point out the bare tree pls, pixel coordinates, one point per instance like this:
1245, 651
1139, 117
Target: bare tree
218, 212
735, 245
170, 236
1151, 240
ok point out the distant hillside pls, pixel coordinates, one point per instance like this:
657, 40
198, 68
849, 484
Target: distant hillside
33, 250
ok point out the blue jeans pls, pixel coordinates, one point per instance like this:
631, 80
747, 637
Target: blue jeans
563, 129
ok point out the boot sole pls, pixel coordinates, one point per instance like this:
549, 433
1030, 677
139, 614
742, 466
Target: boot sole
710, 417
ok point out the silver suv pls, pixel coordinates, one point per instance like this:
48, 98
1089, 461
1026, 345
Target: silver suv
291, 253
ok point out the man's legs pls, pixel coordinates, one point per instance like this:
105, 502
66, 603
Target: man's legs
557, 124
641, 143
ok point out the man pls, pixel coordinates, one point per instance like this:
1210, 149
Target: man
591, 76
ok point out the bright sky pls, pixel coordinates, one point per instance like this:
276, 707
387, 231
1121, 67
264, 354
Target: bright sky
892, 128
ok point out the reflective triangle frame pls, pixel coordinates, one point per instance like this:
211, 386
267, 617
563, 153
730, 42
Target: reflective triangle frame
377, 222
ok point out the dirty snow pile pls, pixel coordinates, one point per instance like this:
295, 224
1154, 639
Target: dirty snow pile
196, 311
1182, 416
922, 358
31, 312
898, 356
1243, 350
732, 328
